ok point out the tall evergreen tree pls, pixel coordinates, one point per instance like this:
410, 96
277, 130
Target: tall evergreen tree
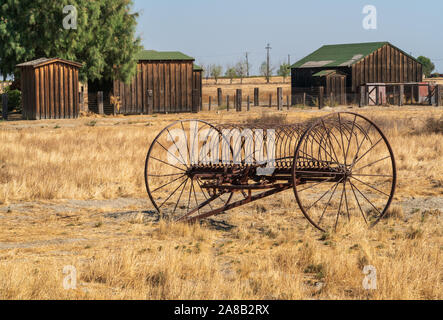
104, 40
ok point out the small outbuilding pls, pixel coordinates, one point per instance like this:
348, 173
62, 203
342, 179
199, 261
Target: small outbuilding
341, 70
166, 82
49, 89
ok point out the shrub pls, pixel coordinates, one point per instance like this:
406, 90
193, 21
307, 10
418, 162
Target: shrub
14, 99
434, 125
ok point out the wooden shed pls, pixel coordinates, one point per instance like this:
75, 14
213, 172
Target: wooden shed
49, 89
166, 82
360, 63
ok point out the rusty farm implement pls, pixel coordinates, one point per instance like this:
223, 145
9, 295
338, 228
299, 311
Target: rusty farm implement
340, 167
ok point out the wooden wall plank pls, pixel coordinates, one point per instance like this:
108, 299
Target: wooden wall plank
51, 92
189, 83
76, 97
62, 93
168, 87
37, 93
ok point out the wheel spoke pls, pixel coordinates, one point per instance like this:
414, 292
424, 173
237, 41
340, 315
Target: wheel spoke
358, 203
346, 201
184, 164
365, 198
184, 161
167, 184
373, 146
323, 196
339, 208
315, 185
168, 164
350, 137
164, 175
372, 175
170, 196
181, 193
366, 184
371, 164
329, 201
342, 141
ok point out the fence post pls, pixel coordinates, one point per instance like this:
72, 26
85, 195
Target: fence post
219, 97
287, 102
227, 102
280, 99
150, 102
304, 99
362, 97
249, 104
402, 95
239, 100
270, 100
5, 106
438, 92
377, 95
210, 102
321, 97
331, 99
256, 97
100, 102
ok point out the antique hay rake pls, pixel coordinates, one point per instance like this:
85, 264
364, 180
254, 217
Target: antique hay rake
340, 166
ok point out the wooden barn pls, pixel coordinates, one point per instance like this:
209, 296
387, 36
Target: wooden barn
49, 89
344, 68
166, 82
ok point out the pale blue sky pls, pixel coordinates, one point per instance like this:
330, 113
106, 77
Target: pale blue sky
221, 31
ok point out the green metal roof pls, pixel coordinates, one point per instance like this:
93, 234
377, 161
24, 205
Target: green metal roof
162, 55
340, 55
197, 68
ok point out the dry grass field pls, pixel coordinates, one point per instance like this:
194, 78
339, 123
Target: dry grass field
248, 85
72, 194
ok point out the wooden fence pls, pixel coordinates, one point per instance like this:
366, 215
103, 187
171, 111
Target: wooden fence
370, 94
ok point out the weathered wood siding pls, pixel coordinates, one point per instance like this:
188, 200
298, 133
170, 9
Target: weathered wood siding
386, 65
50, 91
171, 82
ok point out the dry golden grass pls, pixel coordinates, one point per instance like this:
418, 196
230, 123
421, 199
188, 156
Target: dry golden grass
265, 250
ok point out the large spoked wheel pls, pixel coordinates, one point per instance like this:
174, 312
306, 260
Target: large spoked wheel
172, 162
344, 169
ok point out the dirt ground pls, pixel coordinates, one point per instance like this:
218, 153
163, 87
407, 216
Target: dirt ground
72, 194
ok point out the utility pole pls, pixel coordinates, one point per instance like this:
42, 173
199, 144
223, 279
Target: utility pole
247, 65
268, 47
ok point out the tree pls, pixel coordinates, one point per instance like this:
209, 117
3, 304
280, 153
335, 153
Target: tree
264, 71
241, 70
216, 71
104, 40
206, 71
428, 66
284, 71
231, 73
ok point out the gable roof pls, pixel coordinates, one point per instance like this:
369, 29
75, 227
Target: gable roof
341, 55
152, 55
43, 61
